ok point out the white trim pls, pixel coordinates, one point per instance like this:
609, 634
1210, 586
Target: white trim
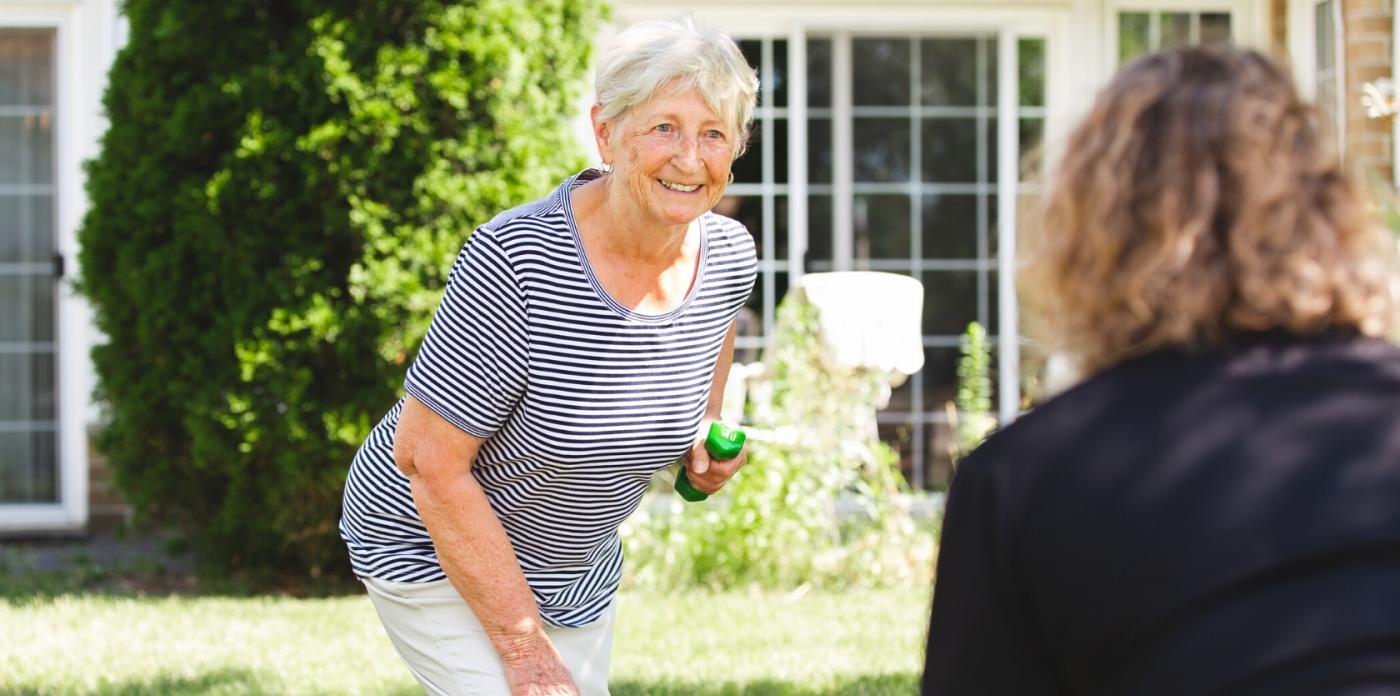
1302, 49
797, 154
842, 155
83, 50
1302, 46
1340, 59
1008, 180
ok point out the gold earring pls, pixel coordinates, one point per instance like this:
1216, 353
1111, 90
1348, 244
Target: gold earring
605, 168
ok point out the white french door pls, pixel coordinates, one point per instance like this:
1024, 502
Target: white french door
29, 268
896, 151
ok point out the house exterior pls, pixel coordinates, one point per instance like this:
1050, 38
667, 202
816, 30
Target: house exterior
889, 137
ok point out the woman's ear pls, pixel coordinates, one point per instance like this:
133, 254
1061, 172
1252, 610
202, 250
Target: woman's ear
602, 133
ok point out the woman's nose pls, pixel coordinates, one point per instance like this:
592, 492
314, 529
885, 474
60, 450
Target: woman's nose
687, 155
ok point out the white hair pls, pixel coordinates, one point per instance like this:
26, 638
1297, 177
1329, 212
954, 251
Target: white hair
679, 50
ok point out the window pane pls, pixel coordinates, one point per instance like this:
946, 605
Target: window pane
28, 467
26, 68
950, 302
899, 435
991, 203
1176, 29
1215, 27
1326, 32
881, 149
993, 162
1032, 131
881, 226
780, 228
880, 72
819, 150
940, 377
1134, 35
938, 463
993, 322
948, 72
780, 76
819, 72
1031, 71
26, 307
748, 169
26, 229
780, 150
748, 210
780, 287
950, 150
989, 71
753, 53
29, 382
818, 232
950, 226
26, 149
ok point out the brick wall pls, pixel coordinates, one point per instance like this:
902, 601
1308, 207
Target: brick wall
1367, 31
106, 507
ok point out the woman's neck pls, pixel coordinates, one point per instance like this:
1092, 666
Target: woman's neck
619, 228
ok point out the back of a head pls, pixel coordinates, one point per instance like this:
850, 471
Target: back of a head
1200, 198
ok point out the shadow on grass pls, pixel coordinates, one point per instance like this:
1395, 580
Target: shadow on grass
78, 572
870, 685
219, 681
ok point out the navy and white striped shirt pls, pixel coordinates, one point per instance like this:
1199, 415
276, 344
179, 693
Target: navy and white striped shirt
580, 398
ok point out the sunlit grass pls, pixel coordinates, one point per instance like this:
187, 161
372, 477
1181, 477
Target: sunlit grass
863, 642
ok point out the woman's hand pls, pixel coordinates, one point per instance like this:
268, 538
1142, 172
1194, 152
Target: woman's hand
537, 669
708, 475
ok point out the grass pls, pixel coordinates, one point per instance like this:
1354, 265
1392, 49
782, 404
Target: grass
703, 644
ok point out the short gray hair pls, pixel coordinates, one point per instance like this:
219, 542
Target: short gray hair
647, 55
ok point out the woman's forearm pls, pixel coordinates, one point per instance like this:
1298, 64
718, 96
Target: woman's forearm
715, 406
471, 544
475, 553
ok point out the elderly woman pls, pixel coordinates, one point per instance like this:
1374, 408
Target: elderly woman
1215, 510
582, 342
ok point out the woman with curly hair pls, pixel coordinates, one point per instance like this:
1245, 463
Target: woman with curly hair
1216, 508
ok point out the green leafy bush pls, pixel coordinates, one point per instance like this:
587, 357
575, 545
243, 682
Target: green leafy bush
282, 189
777, 524
975, 420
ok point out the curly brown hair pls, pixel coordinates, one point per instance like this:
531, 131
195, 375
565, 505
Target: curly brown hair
1200, 198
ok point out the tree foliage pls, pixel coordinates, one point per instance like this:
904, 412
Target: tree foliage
278, 198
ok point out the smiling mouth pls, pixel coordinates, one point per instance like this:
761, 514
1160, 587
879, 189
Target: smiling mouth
682, 188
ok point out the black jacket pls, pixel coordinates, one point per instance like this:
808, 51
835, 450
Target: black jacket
1219, 523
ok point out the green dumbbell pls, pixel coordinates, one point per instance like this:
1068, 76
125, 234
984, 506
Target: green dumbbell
722, 442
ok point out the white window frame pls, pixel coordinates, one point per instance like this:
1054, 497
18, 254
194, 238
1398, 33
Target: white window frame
85, 35
1249, 20
1302, 48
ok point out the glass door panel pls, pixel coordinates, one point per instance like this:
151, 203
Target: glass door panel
28, 409
921, 116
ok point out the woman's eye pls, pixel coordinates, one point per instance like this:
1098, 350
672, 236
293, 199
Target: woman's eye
664, 127
715, 135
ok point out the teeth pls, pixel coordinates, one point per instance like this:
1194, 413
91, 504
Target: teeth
678, 187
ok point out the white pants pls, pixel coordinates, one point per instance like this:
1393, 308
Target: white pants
445, 647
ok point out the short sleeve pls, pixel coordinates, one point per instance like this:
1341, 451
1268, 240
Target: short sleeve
472, 366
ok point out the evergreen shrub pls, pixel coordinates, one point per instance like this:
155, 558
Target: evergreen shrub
281, 191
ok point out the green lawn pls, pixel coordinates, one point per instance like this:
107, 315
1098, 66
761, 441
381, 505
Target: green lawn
860, 642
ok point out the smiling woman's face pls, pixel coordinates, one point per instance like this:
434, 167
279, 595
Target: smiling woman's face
671, 155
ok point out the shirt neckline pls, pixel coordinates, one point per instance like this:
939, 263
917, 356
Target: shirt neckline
607, 299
